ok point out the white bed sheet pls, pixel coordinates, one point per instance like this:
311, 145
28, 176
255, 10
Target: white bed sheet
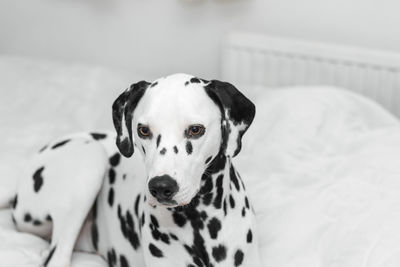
323, 169
322, 165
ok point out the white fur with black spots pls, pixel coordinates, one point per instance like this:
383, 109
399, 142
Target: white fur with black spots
166, 195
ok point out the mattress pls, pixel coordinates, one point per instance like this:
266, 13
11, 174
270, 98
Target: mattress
321, 164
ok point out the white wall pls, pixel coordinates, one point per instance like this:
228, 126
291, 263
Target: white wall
157, 37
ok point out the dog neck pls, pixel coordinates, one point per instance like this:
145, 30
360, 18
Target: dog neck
211, 200
215, 183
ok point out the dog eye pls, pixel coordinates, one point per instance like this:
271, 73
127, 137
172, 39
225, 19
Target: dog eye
195, 130
143, 131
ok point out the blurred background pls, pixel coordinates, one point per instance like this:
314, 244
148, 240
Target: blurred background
67, 60
321, 160
158, 37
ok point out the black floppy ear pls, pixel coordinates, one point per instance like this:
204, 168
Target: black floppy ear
122, 110
237, 113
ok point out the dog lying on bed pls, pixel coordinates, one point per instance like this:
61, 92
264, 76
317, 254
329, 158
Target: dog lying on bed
185, 206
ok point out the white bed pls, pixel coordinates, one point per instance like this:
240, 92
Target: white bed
322, 164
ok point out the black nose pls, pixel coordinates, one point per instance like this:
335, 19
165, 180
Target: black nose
163, 188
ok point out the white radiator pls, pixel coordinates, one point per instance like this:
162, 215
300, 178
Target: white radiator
251, 59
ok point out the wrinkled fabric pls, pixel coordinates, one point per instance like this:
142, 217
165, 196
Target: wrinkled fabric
322, 166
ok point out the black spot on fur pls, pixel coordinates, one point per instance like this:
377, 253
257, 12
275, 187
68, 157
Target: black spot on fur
119, 211
246, 202
127, 225
174, 237
225, 208
142, 220
219, 253
15, 202
243, 212
189, 147
188, 249
27, 217
234, 179
114, 160
38, 179
207, 198
36, 222
208, 159
179, 219
163, 151
164, 238
43, 149
238, 257
154, 221
123, 261
231, 201
144, 150
206, 192
249, 237
98, 136
13, 220
111, 257
155, 232
158, 140
153, 84
111, 176
49, 218
94, 209
49, 256
155, 251
195, 80
176, 150
214, 226
218, 199
197, 218
217, 164
137, 206
207, 186
60, 144
187, 83
111, 197
197, 260
201, 252
203, 215
95, 235
241, 181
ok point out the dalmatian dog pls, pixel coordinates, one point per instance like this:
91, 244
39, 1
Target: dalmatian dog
167, 195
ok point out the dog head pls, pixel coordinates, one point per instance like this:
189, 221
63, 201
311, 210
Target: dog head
180, 123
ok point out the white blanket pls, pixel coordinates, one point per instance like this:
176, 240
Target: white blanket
322, 165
